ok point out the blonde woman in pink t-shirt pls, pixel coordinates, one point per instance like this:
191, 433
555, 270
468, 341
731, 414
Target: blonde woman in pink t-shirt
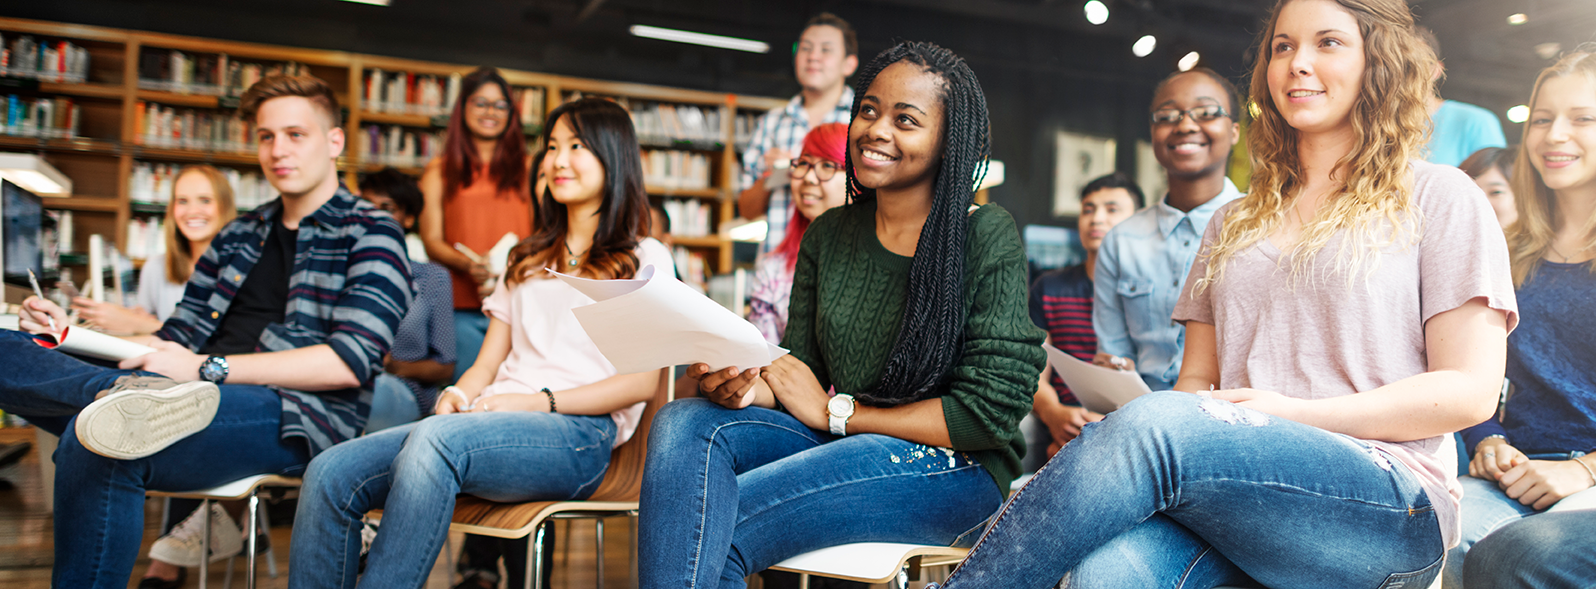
1341, 321
536, 416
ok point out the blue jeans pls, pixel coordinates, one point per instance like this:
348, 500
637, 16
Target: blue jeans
414, 471
727, 493
470, 328
1550, 551
1177, 490
1486, 508
392, 403
99, 501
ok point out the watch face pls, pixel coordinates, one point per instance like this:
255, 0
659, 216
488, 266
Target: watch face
839, 406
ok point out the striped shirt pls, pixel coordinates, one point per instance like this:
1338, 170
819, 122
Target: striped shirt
1061, 303
784, 128
349, 288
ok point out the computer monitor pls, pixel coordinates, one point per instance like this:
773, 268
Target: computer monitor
21, 233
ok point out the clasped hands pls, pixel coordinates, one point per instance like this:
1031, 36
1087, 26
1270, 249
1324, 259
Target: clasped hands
787, 379
1536, 483
456, 400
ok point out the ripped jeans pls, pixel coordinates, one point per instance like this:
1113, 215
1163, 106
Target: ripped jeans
727, 493
1176, 490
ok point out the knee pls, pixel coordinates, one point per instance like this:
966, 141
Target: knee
683, 420
1157, 412
72, 456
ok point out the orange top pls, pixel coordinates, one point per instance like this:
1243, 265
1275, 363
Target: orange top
477, 216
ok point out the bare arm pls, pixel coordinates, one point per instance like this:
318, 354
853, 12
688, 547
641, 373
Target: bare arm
753, 201
600, 398
1199, 364
438, 249
422, 371
311, 368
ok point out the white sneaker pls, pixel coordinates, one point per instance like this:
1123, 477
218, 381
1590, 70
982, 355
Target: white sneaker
143, 415
182, 546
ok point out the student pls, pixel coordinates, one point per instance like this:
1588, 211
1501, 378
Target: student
1142, 263
820, 186
923, 431
1492, 169
1534, 456
1061, 304
1352, 311
290, 312
826, 54
476, 192
202, 202
537, 415
1550, 551
1460, 128
423, 351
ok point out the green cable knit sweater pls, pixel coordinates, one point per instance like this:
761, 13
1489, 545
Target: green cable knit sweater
848, 298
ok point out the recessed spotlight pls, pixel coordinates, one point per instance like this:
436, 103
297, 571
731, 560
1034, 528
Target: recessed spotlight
1144, 46
1096, 12
1189, 61
1518, 114
706, 40
371, 2
1518, 19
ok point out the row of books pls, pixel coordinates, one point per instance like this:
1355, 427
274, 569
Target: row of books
186, 128
393, 145
146, 237
689, 217
41, 117
691, 267
667, 124
675, 169
410, 94
531, 103
151, 183
743, 129
169, 70
46, 61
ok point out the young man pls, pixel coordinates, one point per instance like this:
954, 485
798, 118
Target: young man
1460, 128
290, 311
828, 52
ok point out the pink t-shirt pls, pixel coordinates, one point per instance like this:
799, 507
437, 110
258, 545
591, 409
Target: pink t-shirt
1319, 337
548, 347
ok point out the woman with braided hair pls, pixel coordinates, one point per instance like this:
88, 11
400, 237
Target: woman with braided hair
911, 307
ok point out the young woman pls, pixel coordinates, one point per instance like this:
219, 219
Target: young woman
202, 202
1351, 311
536, 416
817, 187
923, 431
476, 192
1534, 457
1492, 169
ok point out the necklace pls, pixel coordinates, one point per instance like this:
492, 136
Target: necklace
574, 256
1560, 254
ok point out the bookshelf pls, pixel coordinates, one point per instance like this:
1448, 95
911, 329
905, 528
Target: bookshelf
130, 107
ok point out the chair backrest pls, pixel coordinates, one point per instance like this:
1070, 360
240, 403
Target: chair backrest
624, 479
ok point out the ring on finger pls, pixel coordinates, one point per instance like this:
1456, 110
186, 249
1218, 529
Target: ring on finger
1490, 455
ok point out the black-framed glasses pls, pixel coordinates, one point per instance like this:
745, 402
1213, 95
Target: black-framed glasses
500, 105
1201, 114
824, 170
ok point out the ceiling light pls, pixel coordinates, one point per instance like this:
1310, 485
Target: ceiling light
1549, 50
1518, 114
706, 40
1189, 61
34, 174
1144, 46
371, 2
1096, 12
1518, 19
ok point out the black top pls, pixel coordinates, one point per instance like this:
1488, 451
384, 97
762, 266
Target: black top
262, 298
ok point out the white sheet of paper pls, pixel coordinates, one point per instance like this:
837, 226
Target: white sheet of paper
654, 321
82, 341
498, 257
1099, 389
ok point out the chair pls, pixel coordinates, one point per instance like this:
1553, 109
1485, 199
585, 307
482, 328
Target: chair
870, 562
616, 495
245, 488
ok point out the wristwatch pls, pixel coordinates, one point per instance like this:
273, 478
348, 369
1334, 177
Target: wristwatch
840, 409
214, 369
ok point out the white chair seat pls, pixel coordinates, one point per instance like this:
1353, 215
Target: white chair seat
239, 489
868, 562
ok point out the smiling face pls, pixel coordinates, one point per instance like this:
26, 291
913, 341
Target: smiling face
1191, 148
1561, 137
487, 111
1101, 211
822, 61
814, 196
896, 140
1316, 65
1500, 194
195, 208
574, 174
297, 150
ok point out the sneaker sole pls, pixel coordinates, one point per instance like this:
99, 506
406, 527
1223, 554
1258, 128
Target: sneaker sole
133, 424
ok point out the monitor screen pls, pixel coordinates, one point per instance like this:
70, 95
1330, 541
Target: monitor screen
21, 231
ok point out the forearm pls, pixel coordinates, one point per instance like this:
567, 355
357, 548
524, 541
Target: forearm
147, 324
1414, 408
445, 254
609, 395
427, 372
311, 368
752, 201
921, 422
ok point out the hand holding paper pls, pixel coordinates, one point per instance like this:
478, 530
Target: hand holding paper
1099, 389
654, 321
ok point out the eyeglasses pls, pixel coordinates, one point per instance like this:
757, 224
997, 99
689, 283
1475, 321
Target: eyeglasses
1201, 114
824, 170
482, 103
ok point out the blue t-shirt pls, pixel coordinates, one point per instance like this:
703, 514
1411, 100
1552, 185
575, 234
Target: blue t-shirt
427, 330
1460, 130
1551, 360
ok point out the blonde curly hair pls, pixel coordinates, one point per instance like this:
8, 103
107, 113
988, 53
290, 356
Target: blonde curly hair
1390, 121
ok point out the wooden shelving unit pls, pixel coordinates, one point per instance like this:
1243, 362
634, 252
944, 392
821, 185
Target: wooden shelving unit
101, 161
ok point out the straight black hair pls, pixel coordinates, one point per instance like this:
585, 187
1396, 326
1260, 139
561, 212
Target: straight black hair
398, 186
1116, 179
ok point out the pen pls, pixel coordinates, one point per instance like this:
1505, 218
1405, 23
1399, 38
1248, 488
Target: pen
40, 293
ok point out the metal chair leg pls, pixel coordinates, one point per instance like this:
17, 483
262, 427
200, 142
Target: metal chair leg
803, 580
205, 542
534, 558
598, 526
251, 530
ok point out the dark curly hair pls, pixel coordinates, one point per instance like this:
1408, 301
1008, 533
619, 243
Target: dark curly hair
931, 333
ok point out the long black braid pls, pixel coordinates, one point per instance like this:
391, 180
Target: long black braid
931, 334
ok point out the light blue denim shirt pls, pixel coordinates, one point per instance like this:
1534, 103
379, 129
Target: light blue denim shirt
1141, 268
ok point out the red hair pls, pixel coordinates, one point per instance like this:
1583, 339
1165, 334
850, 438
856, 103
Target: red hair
828, 142
507, 167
